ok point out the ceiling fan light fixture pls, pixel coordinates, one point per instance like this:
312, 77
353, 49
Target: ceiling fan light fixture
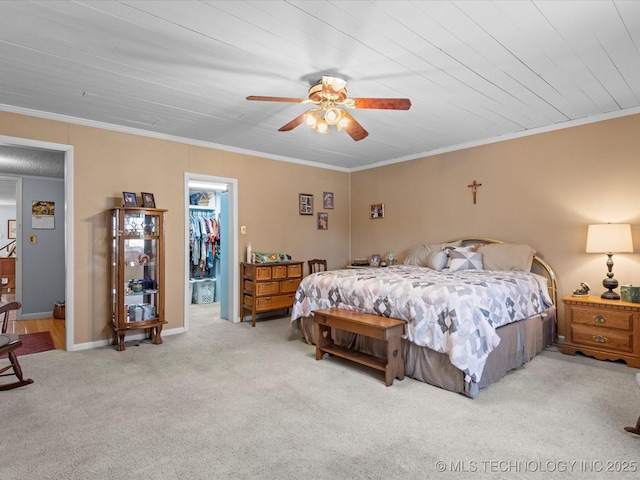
343, 123
329, 95
311, 118
322, 127
333, 116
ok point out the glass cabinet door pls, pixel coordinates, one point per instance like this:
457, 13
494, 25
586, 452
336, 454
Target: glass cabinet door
137, 272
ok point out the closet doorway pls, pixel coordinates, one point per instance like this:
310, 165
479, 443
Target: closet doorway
211, 253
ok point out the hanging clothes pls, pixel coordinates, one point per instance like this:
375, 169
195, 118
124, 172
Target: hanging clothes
203, 231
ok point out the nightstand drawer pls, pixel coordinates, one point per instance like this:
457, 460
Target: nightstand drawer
602, 338
603, 318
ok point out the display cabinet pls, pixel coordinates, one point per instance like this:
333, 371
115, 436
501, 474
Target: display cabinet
137, 272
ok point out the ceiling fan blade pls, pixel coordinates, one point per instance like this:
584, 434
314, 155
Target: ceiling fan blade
353, 128
383, 103
292, 124
276, 99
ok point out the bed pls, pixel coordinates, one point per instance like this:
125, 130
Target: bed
475, 308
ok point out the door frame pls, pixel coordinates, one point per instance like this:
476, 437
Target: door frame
68, 221
17, 290
234, 269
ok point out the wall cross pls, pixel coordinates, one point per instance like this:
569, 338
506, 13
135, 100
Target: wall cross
474, 189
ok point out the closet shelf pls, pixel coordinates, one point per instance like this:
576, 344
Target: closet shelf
200, 207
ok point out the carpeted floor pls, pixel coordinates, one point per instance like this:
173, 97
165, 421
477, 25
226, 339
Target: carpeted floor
228, 401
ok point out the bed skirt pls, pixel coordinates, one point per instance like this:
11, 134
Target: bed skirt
519, 343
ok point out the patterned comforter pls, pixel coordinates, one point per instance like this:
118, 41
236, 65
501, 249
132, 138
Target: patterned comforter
450, 312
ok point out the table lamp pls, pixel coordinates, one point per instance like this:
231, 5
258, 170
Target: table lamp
609, 238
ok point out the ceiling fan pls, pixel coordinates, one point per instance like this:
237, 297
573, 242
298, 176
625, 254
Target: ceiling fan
328, 95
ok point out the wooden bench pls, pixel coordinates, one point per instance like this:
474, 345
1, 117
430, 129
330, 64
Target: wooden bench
388, 329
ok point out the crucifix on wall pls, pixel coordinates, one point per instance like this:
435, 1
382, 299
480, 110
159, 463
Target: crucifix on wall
474, 189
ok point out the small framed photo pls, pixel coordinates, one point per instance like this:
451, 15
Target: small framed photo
375, 260
327, 200
306, 204
376, 210
11, 229
147, 200
130, 199
323, 221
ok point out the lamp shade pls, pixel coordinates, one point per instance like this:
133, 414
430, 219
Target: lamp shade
609, 238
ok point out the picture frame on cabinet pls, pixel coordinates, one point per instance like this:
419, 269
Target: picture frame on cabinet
130, 199
323, 221
148, 200
376, 210
306, 204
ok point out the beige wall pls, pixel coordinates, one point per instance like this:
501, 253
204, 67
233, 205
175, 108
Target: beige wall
542, 190
106, 163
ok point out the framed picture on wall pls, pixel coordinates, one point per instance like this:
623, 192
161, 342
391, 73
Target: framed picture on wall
306, 204
376, 210
327, 200
323, 221
148, 201
11, 229
130, 199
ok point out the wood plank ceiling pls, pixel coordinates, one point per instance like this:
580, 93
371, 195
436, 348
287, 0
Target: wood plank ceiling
475, 71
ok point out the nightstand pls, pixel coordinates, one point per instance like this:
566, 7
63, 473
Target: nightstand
604, 329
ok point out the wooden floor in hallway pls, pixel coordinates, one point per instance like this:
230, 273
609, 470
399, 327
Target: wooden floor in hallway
53, 325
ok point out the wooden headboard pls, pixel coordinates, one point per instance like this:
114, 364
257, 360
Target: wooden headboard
537, 261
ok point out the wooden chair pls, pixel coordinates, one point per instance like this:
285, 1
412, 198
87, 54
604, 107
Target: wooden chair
9, 343
317, 265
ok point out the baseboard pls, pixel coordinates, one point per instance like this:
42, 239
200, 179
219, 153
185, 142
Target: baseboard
134, 336
35, 316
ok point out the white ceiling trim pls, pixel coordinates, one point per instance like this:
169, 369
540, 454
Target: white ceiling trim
298, 161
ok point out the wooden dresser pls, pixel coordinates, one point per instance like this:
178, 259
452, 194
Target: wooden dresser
8, 273
604, 329
266, 287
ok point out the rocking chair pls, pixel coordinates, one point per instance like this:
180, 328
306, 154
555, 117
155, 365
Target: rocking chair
9, 343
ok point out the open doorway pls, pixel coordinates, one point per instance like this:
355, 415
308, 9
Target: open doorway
9, 188
211, 268
40, 175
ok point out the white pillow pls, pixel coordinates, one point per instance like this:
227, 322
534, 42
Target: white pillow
419, 255
462, 259
438, 260
507, 256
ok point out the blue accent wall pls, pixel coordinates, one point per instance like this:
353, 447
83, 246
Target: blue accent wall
43, 263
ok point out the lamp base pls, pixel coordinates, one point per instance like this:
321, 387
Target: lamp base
610, 295
610, 283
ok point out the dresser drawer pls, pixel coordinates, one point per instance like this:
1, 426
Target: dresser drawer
262, 288
264, 304
289, 285
600, 317
602, 338
279, 271
294, 271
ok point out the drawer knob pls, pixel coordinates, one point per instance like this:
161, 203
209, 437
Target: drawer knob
599, 319
599, 339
